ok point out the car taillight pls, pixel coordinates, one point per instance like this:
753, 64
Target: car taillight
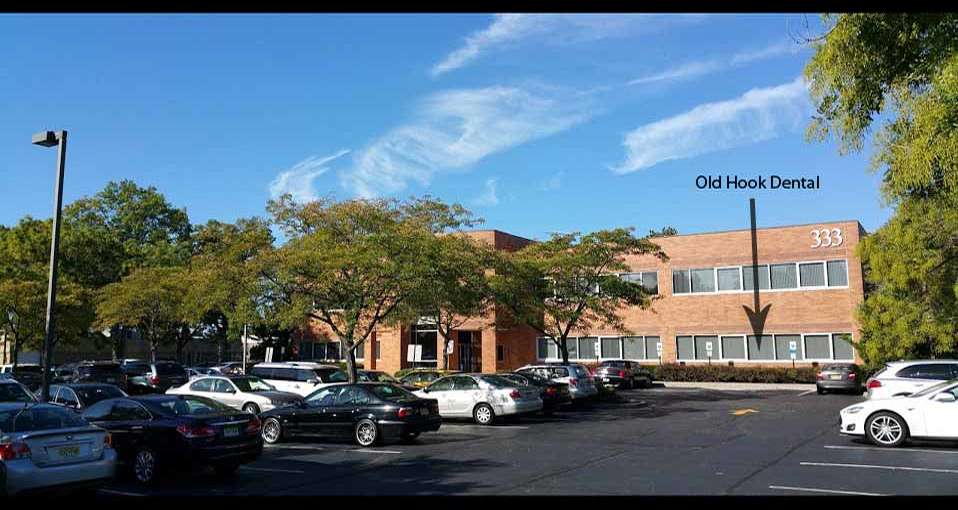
621, 373
818, 375
154, 379
193, 431
253, 426
14, 450
874, 383
851, 375
404, 412
550, 390
108, 440
515, 394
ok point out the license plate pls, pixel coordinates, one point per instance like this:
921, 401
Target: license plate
424, 411
605, 379
834, 376
68, 452
231, 431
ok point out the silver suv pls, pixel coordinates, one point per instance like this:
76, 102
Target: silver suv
580, 381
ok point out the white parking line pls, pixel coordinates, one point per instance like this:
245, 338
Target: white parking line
271, 470
809, 392
872, 466
364, 450
293, 447
824, 491
924, 450
483, 427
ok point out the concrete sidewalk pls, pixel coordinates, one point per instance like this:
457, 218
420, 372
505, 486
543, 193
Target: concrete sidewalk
728, 386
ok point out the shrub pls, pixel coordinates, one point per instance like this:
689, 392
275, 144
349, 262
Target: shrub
725, 373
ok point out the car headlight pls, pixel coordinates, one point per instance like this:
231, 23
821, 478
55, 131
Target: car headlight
853, 409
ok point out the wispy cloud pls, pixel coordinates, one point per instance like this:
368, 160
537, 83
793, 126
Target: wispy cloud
509, 29
759, 114
698, 68
455, 129
488, 196
298, 180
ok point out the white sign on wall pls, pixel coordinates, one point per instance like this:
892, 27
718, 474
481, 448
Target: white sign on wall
658, 348
708, 349
449, 348
414, 352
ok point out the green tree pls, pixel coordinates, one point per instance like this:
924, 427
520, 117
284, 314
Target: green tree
569, 282
902, 68
355, 265
666, 231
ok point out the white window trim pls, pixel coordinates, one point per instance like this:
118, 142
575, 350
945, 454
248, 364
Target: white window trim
599, 339
768, 271
721, 358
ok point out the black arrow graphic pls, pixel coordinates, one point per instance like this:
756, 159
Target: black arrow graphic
756, 315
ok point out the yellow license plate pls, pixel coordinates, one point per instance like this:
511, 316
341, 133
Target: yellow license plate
68, 451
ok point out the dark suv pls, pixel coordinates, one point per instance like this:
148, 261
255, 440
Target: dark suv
145, 378
623, 373
105, 372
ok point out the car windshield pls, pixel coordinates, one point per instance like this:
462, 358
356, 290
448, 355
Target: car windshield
252, 384
392, 393
188, 406
41, 417
12, 392
497, 381
136, 368
331, 375
104, 369
377, 377
933, 389
612, 364
94, 394
169, 369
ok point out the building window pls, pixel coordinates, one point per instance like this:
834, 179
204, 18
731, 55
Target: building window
842, 346
587, 347
783, 276
547, 348
652, 347
733, 347
649, 280
633, 347
572, 345
761, 350
729, 278
612, 347
812, 274
703, 345
378, 347
783, 344
685, 347
817, 347
703, 280
748, 275
837, 273
500, 353
680, 282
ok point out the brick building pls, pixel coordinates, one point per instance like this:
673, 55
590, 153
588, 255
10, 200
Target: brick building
807, 273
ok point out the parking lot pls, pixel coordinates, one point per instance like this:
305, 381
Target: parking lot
653, 441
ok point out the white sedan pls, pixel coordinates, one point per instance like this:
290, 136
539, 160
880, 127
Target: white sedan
481, 397
928, 414
244, 392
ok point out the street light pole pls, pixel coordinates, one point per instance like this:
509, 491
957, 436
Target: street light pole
49, 139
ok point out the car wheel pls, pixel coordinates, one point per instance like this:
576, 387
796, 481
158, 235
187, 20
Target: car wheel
483, 414
366, 432
251, 408
272, 431
886, 429
144, 466
225, 470
821, 391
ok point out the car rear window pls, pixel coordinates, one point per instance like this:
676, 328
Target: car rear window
136, 368
187, 406
392, 393
39, 418
103, 369
331, 375
90, 396
170, 369
837, 367
12, 392
581, 371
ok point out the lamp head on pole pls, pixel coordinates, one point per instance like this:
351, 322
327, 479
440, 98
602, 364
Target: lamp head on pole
46, 139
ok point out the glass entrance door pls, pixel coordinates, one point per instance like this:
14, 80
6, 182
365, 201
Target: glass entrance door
470, 351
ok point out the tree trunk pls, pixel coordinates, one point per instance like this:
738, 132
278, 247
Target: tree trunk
16, 352
118, 342
445, 348
153, 345
564, 349
350, 362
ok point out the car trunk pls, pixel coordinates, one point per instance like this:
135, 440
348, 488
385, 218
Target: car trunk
64, 446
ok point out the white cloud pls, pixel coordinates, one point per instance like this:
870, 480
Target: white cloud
702, 67
759, 114
488, 196
507, 29
298, 180
455, 129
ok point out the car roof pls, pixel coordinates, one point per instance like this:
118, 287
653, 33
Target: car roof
82, 385
293, 364
10, 406
901, 363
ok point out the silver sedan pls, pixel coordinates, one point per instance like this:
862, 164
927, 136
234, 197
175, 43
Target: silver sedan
245, 392
43, 446
481, 397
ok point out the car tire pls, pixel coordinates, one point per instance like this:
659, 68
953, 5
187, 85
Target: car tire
483, 414
251, 407
225, 470
821, 391
886, 429
273, 431
145, 466
366, 433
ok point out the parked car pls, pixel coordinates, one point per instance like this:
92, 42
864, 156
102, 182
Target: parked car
28, 374
370, 413
422, 377
299, 377
623, 373
230, 368
44, 446
79, 396
245, 392
482, 397
62, 374
154, 434
12, 390
554, 395
383, 377
106, 372
194, 372
159, 377
900, 378
839, 377
581, 382
931, 413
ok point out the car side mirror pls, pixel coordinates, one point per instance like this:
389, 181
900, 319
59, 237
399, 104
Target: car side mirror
425, 390
945, 397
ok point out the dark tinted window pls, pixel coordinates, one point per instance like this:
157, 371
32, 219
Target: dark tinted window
11, 392
187, 405
324, 397
127, 410
352, 396
105, 369
92, 395
263, 372
98, 411
42, 417
937, 371
392, 393
170, 369
136, 368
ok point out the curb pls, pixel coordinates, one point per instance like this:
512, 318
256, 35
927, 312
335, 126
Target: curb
738, 386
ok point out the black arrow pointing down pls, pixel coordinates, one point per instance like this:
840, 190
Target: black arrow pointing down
756, 315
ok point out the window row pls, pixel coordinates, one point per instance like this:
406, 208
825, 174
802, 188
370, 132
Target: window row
647, 279
608, 347
789, 275
332, 351
834, 346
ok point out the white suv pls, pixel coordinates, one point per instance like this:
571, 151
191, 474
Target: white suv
581, 382
300, 377
906, 377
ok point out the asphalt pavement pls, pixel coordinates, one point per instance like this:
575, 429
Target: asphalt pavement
660, 441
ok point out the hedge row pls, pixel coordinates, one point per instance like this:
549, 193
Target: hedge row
725, 373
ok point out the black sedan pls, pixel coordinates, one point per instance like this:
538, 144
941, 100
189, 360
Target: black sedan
553, 394
370, 413
158, 433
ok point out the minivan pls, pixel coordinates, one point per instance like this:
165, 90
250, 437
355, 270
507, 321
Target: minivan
299, 377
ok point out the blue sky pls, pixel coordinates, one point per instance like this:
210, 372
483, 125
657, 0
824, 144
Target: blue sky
537, 123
